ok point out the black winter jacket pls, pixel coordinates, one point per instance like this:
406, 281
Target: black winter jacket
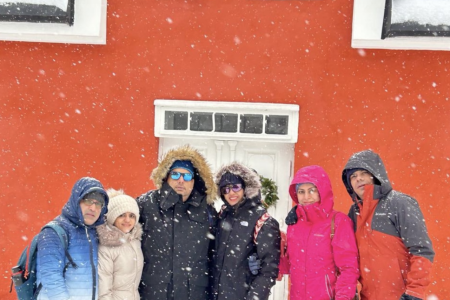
176, 245
234, 244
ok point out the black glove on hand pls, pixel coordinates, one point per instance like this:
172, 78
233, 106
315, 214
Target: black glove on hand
254, 264
408, 297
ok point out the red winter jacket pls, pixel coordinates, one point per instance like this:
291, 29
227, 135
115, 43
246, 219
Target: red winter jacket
396, 253
312, 258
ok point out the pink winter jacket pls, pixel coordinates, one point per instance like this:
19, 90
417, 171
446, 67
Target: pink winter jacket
312, 258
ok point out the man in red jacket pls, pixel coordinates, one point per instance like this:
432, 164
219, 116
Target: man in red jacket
394, 247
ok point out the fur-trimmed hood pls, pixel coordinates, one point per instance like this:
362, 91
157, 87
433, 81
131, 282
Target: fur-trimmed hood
251, 179
112, 236
204, 183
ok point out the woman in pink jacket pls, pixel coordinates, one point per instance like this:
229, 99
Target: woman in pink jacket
322, 266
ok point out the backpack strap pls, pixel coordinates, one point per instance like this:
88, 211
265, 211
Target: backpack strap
332, 226
31, 248
259, 225
62, 234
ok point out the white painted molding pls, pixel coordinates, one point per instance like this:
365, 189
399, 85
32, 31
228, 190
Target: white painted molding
89, 27
290, 110
219, 146
367, 27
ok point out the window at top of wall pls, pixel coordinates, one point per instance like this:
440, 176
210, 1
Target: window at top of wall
226, 122
246, 121
53, 21
277, 124
401, 24
201, 121
37, 11
416, 18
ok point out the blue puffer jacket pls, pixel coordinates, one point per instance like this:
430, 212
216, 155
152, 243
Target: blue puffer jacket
78, 283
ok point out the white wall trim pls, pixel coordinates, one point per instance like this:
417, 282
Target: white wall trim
89, 27
290, 110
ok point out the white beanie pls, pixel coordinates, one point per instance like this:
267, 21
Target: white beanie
119, 203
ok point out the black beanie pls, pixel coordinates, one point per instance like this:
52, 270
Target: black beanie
229, 178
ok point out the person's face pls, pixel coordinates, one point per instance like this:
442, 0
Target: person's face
359, 180
180, 186
232, 193
125, 222
307, 194
91, 209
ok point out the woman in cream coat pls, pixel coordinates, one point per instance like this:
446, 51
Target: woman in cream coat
120, 255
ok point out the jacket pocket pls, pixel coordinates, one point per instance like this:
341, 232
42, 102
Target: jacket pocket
199, 288
199, 280
152, 273
198, 214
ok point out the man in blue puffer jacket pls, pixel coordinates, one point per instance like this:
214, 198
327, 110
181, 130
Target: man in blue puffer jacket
84, 210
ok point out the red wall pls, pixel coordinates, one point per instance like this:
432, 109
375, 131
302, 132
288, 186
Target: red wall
68, 111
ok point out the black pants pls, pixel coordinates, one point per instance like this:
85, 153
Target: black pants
168, 292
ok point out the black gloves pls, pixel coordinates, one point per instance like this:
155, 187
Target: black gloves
408, 297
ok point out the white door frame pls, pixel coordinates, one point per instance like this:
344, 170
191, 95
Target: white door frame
271, 154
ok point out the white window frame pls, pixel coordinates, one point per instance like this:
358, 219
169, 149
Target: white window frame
290, 110
89, 27
368, 24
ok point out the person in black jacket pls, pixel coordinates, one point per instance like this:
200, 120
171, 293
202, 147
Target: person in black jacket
241, 218
177, 220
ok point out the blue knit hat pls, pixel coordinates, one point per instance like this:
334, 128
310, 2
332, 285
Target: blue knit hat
183, 164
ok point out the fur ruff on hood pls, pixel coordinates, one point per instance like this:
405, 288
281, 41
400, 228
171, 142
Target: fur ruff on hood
112, 236
204, 183
251, 179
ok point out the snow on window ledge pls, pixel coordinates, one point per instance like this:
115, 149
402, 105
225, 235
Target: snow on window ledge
89, 27
368, 25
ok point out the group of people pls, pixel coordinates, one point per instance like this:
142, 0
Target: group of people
171, 244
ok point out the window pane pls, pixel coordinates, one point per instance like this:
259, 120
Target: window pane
251, 124
416, 18
420, 11
201, 121
277, 125
176, 120
42, 11
226, 122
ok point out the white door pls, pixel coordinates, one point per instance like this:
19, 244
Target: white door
271, 160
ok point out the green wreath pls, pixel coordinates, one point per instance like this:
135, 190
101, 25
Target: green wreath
269, 191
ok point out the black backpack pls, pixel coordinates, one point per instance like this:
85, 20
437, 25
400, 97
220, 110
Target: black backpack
24, 273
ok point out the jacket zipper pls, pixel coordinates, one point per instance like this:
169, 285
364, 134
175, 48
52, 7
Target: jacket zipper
91, 257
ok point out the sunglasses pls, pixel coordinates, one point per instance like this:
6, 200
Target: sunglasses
176, 175
89, 202
232, 187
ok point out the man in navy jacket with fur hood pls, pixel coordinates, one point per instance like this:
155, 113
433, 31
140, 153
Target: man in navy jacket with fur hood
177, 219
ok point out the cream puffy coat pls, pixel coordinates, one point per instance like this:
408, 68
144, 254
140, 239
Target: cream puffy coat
120, 263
